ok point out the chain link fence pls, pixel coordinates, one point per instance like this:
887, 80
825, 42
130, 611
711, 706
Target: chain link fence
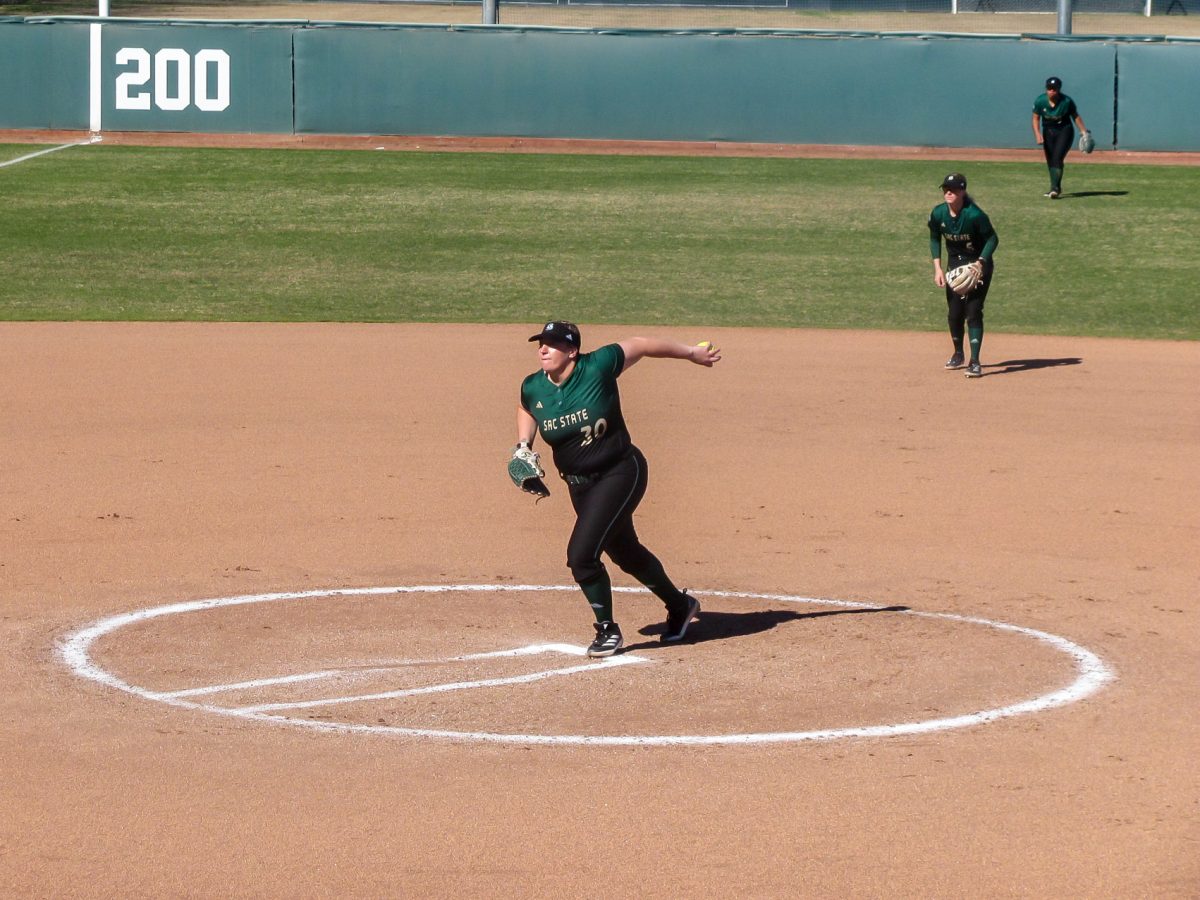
1090, 17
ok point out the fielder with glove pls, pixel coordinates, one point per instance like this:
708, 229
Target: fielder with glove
1053, 113
572, 401
970, 243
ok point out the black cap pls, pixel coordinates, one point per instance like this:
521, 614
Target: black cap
1054, 82
562, 332
955, 181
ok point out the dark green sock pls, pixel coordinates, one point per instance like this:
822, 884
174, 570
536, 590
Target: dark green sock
1056, 180
976, 335
599, 596
958, 344
660, 586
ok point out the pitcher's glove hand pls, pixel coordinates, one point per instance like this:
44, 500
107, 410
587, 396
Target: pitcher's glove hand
526, 471
964, 279
1087, 143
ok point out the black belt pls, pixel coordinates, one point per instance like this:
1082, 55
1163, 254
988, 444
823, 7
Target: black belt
581, 479
595, 476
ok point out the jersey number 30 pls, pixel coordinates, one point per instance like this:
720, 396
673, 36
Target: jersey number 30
591, 433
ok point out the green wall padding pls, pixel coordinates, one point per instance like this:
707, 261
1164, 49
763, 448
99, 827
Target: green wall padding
900, 90
1158, 97
259, 68
654, 86
43, 75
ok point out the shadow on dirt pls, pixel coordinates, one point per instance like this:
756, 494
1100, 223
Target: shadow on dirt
1009, 366
719, 626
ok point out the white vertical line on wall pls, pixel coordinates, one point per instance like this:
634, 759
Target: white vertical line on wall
95, 94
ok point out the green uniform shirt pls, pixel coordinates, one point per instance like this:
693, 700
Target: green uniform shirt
580, 419
969, 235
1056, 116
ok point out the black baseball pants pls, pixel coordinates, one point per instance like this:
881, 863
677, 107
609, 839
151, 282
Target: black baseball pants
604, 523
968, 309
1056, 142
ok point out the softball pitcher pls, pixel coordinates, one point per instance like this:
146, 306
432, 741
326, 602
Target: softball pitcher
969, 238
573, 402
1053, 113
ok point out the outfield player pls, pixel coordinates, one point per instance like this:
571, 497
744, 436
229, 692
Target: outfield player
1053, 113
573, 402
969, 236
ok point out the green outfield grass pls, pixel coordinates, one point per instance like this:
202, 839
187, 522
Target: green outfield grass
124, 233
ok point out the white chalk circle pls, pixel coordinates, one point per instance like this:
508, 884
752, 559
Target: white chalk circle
1091, 673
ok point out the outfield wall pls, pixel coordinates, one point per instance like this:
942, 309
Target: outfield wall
785, 87
43, 76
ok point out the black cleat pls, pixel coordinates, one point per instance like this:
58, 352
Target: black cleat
608, 640
679, 620
974, 370
955, 362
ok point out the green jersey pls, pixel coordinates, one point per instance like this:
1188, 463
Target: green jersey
969, 235
1060, 115
580, 419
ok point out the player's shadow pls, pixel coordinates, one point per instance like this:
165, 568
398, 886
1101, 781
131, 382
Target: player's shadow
1076, 195
720, 626
1009, 366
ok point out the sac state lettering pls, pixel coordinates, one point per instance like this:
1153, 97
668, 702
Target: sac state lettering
173, 79
573, 418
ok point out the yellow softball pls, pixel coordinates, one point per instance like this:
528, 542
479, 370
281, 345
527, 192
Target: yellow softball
705, 344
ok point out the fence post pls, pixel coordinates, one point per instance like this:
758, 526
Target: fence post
1064, 16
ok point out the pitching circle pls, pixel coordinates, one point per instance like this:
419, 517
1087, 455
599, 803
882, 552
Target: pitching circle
1091, 674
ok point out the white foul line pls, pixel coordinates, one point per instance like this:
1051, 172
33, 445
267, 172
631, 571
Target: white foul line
19, 159
1091, 674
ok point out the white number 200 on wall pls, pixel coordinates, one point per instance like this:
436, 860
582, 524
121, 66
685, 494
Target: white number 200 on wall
203, 80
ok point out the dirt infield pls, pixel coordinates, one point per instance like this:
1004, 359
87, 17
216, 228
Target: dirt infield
151, 464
